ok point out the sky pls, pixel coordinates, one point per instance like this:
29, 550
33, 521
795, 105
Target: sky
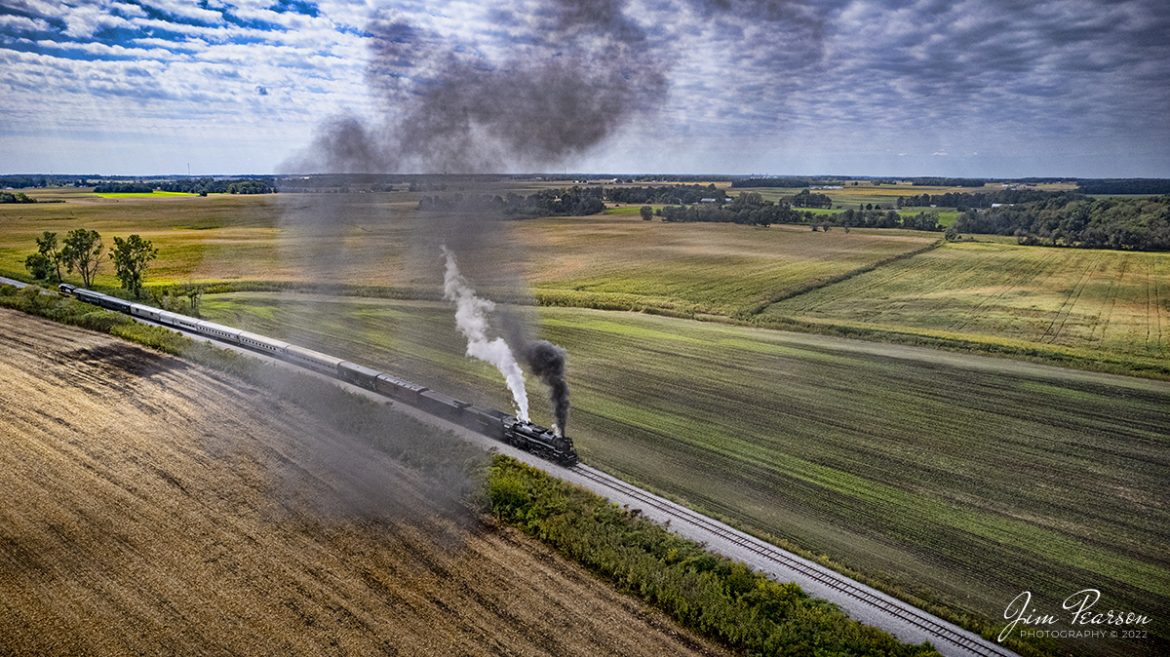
988, 88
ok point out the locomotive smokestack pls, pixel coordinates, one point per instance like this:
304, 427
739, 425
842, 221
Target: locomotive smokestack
547, 361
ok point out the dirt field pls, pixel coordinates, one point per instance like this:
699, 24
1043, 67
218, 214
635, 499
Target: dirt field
153, 507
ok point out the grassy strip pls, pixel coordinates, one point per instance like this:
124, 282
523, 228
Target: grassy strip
1097, 361
712, 595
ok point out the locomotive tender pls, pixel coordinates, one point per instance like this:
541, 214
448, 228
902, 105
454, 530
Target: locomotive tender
490, 422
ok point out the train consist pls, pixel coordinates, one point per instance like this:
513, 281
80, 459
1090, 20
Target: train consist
501, 426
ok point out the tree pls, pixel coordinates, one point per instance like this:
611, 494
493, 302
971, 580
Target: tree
45, 264
39, 266
82, 251
47, 247
647, 213
131, 257
195, 295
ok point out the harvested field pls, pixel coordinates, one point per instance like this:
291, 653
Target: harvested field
155, 507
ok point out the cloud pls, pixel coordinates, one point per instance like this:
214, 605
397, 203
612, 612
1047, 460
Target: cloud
11, 23
184, 10
748, 83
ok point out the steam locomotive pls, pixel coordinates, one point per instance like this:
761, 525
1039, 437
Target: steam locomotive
490, 422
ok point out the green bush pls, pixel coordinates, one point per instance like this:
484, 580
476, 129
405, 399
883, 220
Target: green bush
714, 596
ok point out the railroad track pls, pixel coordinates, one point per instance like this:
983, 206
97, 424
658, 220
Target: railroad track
902, 611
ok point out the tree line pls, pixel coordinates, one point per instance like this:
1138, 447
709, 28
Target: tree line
545, 203
779, 181
750, 208
1140, 224
878, 218
16, 197
18, 182
964, 200
1149, 186
948, 182
665, 194
81, 251
807, 199
202, 186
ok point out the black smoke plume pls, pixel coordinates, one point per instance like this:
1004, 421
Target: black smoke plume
583, 69
574, 73
547, 361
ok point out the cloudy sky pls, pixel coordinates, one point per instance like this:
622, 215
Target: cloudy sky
866, 87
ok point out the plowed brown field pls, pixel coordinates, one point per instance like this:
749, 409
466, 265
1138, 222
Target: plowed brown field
149, 506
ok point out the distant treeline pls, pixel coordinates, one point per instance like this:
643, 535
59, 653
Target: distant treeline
779, 182
15, 197
1141, 224
750, 208
18, 182
545, 203
191, 186
1125, 186
963, 200
793, 181
665, 194
141, 183
948, 182
123, 188
806, 199
571, 201
878, 218
213, 186
753, 215
661, 177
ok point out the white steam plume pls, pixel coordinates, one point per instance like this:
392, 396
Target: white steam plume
471, 320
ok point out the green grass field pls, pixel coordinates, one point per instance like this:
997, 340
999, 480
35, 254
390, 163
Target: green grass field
954, 479
1095, 304
717, 269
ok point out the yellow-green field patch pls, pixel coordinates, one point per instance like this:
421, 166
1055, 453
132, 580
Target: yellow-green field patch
1108, 302
720, 269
